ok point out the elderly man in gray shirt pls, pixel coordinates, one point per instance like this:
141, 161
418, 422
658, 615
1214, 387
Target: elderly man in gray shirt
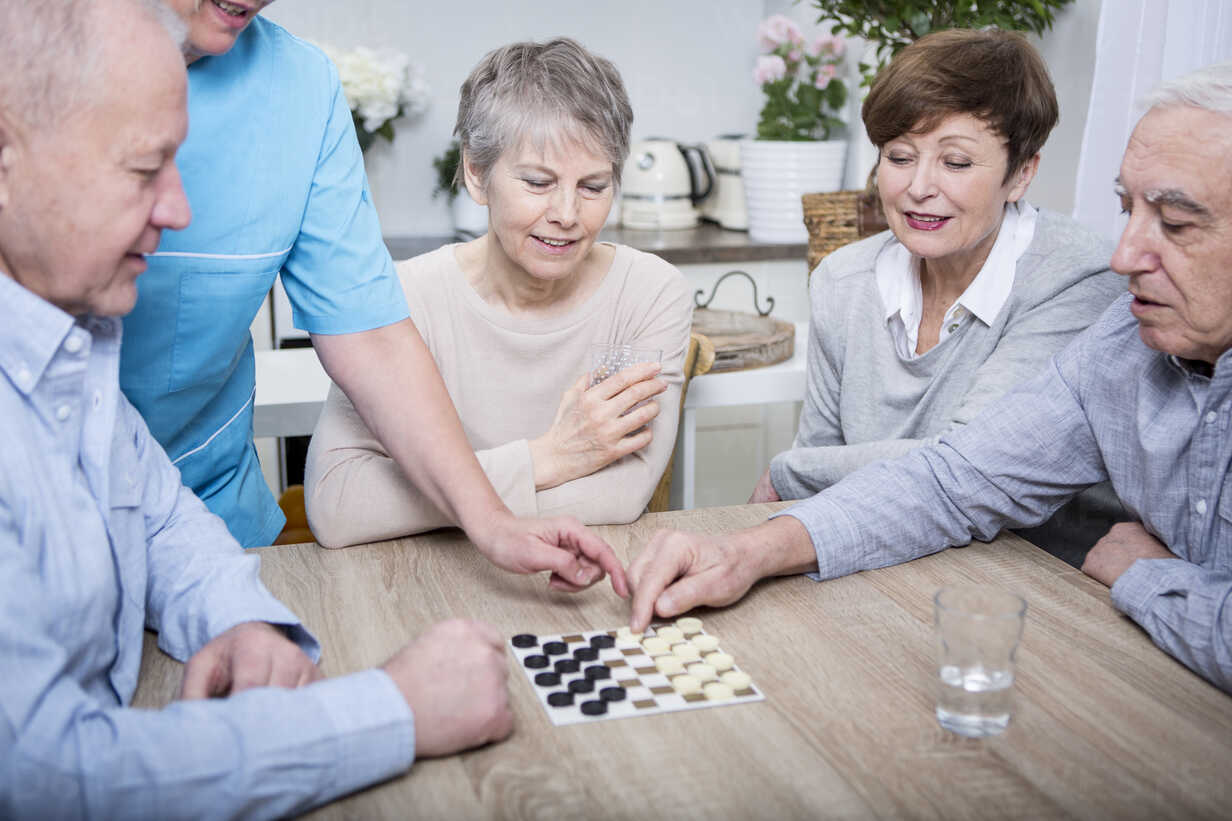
1143, 398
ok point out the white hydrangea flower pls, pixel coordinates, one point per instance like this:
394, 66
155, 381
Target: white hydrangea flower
379, 84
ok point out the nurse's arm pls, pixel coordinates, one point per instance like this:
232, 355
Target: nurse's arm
392, 380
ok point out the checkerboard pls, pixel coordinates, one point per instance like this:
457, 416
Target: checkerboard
596, 675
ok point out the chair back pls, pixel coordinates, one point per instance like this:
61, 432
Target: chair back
698, 360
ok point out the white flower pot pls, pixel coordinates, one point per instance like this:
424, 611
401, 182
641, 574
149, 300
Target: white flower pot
776, 174
470, 219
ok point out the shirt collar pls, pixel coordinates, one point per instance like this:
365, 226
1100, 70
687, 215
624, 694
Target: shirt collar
32, 331
897, 270
989, 291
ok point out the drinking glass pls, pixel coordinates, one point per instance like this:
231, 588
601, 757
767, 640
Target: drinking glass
978, 630
607, 359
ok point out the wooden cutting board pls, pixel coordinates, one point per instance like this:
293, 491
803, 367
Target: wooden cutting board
743, 340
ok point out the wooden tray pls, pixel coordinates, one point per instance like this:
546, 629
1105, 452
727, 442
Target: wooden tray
743, 340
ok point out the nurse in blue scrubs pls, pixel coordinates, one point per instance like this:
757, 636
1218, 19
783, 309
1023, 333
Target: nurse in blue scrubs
276, 182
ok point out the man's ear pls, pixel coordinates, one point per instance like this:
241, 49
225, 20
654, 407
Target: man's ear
8, 157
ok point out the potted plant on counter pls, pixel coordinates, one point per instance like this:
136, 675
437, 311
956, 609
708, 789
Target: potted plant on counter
470, 219
793, 154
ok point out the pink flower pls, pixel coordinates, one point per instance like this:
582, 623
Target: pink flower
777, 30
794, 55
769, 68
830, 44
825, 74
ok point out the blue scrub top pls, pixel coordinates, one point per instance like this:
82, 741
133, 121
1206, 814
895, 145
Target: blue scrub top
276, 182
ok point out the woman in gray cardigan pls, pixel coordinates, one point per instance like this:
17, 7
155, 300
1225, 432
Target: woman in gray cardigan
972, 290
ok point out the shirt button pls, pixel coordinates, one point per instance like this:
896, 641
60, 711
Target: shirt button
73, 343
953, 327
1200, 506
63, 412
1211, 416
24, 377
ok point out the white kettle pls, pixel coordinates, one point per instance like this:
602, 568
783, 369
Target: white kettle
663, 182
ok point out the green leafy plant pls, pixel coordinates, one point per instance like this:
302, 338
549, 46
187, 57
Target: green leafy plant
801, 82
891, 24
446, 166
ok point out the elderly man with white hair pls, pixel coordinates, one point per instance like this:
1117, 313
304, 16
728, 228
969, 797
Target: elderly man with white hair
99, 539
1143, 398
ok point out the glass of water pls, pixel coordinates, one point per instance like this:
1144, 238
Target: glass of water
608, 359
977, 630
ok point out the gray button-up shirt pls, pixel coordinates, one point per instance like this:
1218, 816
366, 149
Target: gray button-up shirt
99, 540
1106, 408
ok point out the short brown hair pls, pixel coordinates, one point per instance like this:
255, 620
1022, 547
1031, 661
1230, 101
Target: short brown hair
994, 75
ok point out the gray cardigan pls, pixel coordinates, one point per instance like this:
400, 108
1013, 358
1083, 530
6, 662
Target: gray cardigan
864, 402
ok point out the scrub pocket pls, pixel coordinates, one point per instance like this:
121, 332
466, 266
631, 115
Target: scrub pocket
219, 298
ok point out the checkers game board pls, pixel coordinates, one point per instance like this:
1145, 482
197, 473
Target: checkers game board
601, 674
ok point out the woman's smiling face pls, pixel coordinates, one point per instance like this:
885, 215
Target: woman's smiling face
546, 207
944, 190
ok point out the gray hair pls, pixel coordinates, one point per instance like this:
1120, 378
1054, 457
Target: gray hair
53, 56
1207, 88
541, 92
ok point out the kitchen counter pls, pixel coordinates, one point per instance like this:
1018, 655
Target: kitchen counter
707, 243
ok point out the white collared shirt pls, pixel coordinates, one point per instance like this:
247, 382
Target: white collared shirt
898, 281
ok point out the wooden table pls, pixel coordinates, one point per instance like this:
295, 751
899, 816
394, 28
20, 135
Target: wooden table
1106, 725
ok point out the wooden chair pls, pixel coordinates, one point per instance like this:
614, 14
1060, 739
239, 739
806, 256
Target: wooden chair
697, 361
296, 530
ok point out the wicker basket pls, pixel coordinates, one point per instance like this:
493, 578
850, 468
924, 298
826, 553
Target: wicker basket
836, 218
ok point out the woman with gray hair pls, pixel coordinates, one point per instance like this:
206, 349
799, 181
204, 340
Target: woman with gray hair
511, 317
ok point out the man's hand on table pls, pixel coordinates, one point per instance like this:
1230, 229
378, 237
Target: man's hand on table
455, 679
576, 557
678, 571
252, 654
764, 491
1121, 546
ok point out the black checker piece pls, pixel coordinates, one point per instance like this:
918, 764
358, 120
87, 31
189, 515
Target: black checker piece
565, 666
536, 661
586, 654
524, 640
598, 671
602, 641
561, 699
555, 648
594, 708
547, 679
581, 685
612, 694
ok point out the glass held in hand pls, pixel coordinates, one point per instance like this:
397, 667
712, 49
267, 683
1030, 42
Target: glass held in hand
977, 631
610, 359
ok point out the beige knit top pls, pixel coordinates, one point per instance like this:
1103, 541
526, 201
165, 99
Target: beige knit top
506, 375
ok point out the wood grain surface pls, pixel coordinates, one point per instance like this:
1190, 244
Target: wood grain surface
1105, 725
